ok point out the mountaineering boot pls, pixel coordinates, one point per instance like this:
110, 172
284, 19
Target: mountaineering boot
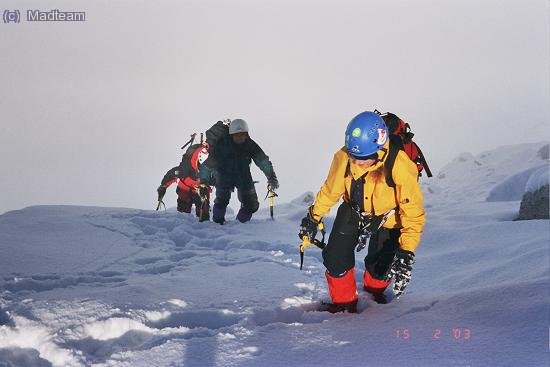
350, 307
343, 292
375, 287
203, 213
380, 298
184, 206
218, 214
244, 215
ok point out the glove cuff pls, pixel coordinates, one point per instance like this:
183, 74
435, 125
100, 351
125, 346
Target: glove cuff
405, 255
310, 215
404, 252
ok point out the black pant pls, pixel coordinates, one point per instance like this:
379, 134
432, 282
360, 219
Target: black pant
247, 196
185, 202
339, 254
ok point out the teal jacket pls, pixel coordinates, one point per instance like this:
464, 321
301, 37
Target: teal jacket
230, 163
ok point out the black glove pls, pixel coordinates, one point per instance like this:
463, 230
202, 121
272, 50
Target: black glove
401, 270
161, 191
203, 191
308, 227
272, 182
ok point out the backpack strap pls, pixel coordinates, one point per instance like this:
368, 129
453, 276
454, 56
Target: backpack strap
357, 190
423, 161
388, 164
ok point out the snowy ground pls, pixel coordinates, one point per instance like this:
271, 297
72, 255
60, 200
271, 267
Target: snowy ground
125, 287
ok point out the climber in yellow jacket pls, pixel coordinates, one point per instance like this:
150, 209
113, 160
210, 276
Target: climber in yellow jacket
393, 217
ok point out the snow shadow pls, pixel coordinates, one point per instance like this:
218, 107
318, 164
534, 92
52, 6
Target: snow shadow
212, 320
21, 357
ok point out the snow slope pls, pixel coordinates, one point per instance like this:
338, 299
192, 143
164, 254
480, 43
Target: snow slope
88, 286
538, 179
515, 186
496, 175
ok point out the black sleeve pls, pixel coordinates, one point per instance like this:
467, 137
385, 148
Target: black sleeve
171, 175
186, 170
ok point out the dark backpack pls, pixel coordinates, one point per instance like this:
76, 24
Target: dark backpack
216, 133
401, 139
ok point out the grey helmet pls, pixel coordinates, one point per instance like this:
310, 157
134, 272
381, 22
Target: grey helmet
238, 126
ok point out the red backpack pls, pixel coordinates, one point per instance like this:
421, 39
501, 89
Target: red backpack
401, 139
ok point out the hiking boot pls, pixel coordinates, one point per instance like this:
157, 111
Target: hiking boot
184, 206
244, 215
378, 297
218, 214
204, 218
203, 213
350, 307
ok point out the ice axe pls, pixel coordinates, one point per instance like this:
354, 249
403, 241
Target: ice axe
203, 191
191, 140
306, 241
271, 194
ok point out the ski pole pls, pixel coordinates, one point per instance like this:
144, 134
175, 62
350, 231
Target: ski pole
306, 241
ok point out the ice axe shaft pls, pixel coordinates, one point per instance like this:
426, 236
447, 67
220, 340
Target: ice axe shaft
307, 242
191, 140
271, 194
204, 198
161, 203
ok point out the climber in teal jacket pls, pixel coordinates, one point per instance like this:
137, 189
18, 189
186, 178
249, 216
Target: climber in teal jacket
231, 153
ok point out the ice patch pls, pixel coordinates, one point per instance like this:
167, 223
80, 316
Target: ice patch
538, 179
247, 352
295, 302
226, 336
113, 328
178, 302
305, 286
157, 315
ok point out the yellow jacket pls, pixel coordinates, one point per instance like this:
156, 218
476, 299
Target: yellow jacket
379, 197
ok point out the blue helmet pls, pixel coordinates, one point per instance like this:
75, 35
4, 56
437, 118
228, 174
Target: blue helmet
366, 134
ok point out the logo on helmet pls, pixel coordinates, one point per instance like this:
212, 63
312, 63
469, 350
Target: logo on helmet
356, 132
382, 137
355, 149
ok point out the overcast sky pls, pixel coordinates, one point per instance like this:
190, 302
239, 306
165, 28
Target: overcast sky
94, 113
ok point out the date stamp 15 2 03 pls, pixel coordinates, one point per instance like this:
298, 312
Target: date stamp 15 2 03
458, 333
